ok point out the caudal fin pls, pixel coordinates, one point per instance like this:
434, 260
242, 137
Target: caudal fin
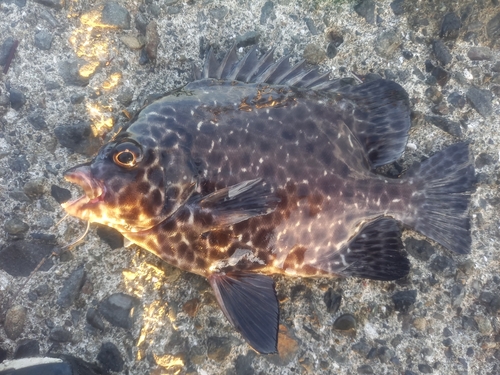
443, 185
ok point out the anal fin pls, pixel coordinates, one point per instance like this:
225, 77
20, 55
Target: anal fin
375, 253
249, 302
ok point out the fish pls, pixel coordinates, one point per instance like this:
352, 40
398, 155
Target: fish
259, 167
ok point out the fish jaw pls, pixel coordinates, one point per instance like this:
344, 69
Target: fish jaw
94, 193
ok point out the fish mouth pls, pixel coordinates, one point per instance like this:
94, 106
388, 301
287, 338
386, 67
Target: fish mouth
94, 190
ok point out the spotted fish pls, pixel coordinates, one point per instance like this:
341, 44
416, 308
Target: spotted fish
260, 167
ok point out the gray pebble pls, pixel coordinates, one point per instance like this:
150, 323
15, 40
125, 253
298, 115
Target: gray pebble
440, 75
111, 236
366, 9
17, 98
115, 14
361, 347
457, 295
404, 300
15, 318
19, 196
170, 2
155, 10
345, 322
37, 120
110, 358
69, 70
43, 40
434, 95
56, 4
450, 127
77, 98
19, 163
397, 7
141, 23
243, 364
496, 67
387, 43
42, 290
450, 26
71, 287
480, 100
48, 16
60, 194
385, 354
425, 368
34, 188
218, 348
456, 100
332, 301
469, 323
267, 12
16, 228
119, 309
248, 39
442, 52
5, 48
480, 53
311, 26
60, 334
483, 325
495, 89
94, 319
420, 249
78, 137
443, 265
365, 369
493, 28
483, 159
21, 257
27, 348
331, 50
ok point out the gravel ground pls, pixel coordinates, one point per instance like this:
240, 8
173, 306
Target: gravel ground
80, 65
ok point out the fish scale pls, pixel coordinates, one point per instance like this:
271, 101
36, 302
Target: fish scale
258, 168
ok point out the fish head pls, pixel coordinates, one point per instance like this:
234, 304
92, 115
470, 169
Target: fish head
132, 184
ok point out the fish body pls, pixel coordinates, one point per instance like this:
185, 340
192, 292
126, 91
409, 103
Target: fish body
258, 168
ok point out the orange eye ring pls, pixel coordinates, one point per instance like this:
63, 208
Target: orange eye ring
127, 155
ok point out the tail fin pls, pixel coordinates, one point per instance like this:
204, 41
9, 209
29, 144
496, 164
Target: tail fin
443, 183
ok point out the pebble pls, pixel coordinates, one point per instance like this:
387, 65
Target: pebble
77, 98
331, 50
119, 309
94, 319
484, 325
496, 90
450, 26
493, 28
191, 307
248, 39
27, 348
78, 137
397, 7
456, 100
55, 4
37, 120
469, 323
131, 42
243, 364
152, 41
425, 368
311, 26
16, 228
111, 236
19, 163
60, 194
434, 95
441, 52
15, 318
447, 342
267, 12
174, 10
43, 40
387, 43
365, 369
69, 70
483, 159
34, 188
21, 257
141, 23
440, 75
450, 127
443, 265
420, 324
457, 295
385, 354
480, 100
366, 9
314, 54
5, 48
60, 334
404, 300
361, 347
480, 53
218, 348
114, 14
17, 98
440, 109
71, 287
110, 358
345, 322
332, 301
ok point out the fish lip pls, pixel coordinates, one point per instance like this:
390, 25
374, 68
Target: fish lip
94, 190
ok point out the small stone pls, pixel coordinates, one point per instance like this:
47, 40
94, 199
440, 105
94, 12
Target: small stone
77, 98
191, 307
248, 39
267, 12
361, 347
447, 342
152, 41
480, 100
425, 368
131, 42
385, 354
397, 7
493, 28
52, 85
43, 40
37, 120
441, 52
443, 265
483, 159
71, 288
111, 236
407, 54
365, 369
141, 23
114, 14
219, 12
314, 54
345, 322
94, 319
495, 89
34, 188
17, 98
434, 95
331, 51
110, 358
16, 228
420, 324
366, 9
396, 341
15, 318
19, 163
404, 300
387, 43
174, 10
69, 70
55, 4
441, 76
60, 334
332, 301
457, 295
450, 127
450, 26
440, 109
311, 26
469, 323
27, 348
243, 364
470, 352
484, 325
218, 348
78, 137
119, 309
5, 49
287, 348
456, 100
480, 53
60, 194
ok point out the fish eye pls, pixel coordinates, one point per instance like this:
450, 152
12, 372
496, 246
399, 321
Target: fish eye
127, 154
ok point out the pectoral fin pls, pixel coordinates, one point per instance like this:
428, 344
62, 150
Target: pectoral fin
249, 302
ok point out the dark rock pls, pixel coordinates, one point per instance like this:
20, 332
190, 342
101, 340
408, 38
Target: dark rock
420, 249
71, 288
311, 26
126, 97
173, 10
34, 188
480, 53
19, 196
387, 43
19, 163
447, 342
141, 23
37, 120
267, 12
69, 70
332, 301
94, 319
27, 348
15, 318
480, 100
495, 68
450, 127
21, 257
397, 7
484, 159
441, 75
219, 12
361, 347
443, 265
440, 109
493, 28
345, 322
365, 369
110, 358
152, 41
456, 100
447, 332
114, 14
366, 9
52, 85
396, 341
441, 52
407, 54
218, 348
78, 137
470, 352
434, 95
404, 300
43, 40
248, 39
331, 50
60, 334
385, 354
450, 26
425, 368
55, 4
469, 323
119, 309
5, 49
16, 228
111, 236
60, 194
17, 98
243, 364
143, 57
77, 98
